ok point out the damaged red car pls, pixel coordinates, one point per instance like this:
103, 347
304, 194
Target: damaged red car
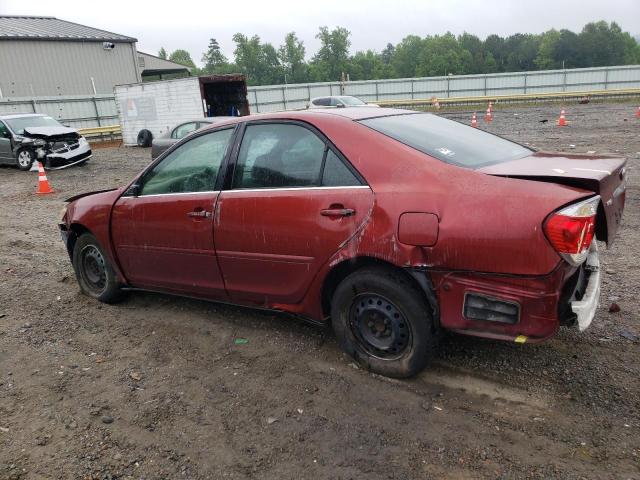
392, 225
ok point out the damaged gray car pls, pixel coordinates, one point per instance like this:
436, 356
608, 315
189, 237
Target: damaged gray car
27, 137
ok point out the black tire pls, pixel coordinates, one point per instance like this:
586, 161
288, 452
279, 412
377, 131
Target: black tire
24, 159
94, 272
376, 298
145, 137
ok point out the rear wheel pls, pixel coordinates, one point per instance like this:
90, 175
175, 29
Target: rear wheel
384, 322
25, 159
95, 274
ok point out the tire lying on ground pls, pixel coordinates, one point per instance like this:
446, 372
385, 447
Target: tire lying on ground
145, 137
384, 322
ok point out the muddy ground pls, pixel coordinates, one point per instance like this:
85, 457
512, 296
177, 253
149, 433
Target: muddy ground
156, 387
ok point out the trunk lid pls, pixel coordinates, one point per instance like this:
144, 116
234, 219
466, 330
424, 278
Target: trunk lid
604, 175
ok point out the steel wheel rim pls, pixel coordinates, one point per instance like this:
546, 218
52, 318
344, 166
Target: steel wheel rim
93, 268
24, 159
379, 326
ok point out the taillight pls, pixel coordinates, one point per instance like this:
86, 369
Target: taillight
571, 230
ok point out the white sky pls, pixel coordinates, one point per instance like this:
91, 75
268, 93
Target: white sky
190, 23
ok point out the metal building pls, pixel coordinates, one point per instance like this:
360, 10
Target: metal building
156, 68
46, 56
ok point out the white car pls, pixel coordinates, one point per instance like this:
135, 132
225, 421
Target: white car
338, 101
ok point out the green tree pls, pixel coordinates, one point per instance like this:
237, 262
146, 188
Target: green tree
182, 57
162, 53
443, 55
405, 58
213, 59
369, 65
545, 59
291, 56
387, 53
522, 50
333, 57
259, 62
494, 44
474, 46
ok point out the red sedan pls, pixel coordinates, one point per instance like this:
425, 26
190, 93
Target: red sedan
390, 224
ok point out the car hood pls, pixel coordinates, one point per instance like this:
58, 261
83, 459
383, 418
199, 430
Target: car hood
86, 194
50, 133
604, 175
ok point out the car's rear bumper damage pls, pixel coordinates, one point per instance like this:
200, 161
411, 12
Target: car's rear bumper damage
518, 308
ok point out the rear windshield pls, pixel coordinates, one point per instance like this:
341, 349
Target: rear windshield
19, 124
446, 140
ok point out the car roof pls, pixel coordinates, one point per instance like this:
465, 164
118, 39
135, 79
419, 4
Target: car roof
350, 113
21, 115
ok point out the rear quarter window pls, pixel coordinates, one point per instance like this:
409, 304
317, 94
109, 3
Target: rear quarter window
447, 140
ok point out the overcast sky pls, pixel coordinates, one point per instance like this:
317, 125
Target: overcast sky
190, 23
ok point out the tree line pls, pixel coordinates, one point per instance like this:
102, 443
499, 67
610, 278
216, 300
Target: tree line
597, 44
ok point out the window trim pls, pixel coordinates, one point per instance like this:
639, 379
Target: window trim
228, 181
127, 192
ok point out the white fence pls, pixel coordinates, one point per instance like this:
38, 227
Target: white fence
286, 97
99, 110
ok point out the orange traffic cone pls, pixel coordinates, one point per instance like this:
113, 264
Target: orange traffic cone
638, 113
474, 120
562, 122
43, 183
489, 116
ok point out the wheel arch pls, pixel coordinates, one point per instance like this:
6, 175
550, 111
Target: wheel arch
75, 230
418, 277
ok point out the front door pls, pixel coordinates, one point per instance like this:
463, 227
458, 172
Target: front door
292, 204
5, 144
163, 236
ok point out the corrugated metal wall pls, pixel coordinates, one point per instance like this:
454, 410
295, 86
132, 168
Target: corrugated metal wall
284, 97
34, 68
90, 111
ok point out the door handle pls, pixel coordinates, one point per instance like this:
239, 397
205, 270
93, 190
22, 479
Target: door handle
199, 214
337, 212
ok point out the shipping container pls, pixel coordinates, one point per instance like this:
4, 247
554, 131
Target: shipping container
159, 106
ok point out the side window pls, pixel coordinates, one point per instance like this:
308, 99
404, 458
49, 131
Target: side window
183, 130
4, 131
322, 102
278, 156
335, 102
192, 167
336, 173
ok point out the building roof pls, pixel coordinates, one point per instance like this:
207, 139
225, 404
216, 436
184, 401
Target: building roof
150, 63
20, 27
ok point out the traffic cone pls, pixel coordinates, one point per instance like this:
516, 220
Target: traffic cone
491, 107
489, 116
474, 120
436, 104
562, 122
638, 113
43, 183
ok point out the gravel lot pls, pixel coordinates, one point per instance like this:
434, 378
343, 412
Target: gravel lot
156, 387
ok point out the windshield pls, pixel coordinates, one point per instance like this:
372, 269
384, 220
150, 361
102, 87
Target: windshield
351, 101
446, 140
19, 124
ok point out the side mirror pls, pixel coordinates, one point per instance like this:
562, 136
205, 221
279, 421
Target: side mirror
134, 190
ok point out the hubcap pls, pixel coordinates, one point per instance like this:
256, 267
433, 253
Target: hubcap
24, 159
379, 326
94, 269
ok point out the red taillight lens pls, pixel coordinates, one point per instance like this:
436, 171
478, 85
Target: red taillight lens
570, 234
571, 230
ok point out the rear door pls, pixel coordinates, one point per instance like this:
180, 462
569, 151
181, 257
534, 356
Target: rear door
294, 200
164, 236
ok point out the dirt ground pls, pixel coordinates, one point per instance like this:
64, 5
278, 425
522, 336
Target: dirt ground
156, 387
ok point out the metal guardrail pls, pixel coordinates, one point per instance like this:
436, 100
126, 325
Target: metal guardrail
110, 131
520, 98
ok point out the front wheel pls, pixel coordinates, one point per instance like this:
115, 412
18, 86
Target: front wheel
384, 322
95, 274
25, 159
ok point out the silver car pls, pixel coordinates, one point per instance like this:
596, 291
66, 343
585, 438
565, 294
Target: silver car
29, 136
338, 101
181, 130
